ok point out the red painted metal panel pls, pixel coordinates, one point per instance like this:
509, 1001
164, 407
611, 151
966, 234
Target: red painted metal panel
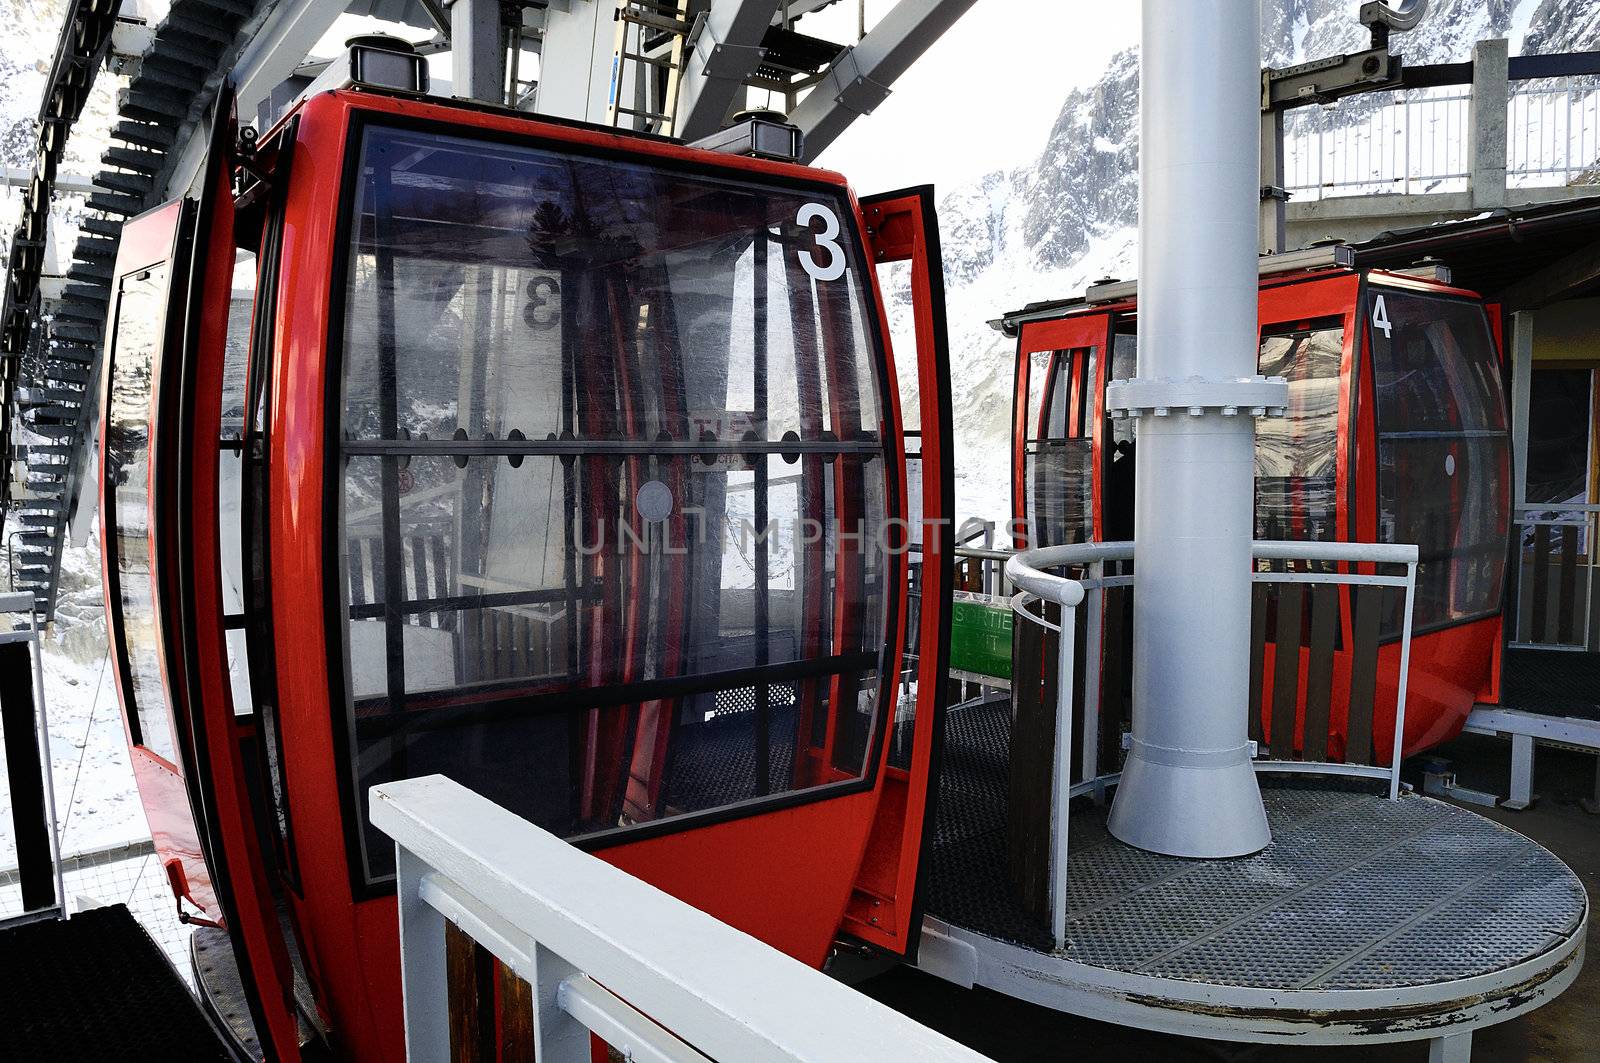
784, 876
149, 240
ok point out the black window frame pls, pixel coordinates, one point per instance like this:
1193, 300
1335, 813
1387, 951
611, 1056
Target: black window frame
255, 508
1367, 374
335, 589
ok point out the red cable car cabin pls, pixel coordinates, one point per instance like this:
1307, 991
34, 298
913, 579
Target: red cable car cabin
1396, 432
572, 468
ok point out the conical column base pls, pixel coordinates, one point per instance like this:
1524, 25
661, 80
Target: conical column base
1208, 812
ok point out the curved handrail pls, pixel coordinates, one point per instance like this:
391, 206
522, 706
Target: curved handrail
1026, 569
1027, 572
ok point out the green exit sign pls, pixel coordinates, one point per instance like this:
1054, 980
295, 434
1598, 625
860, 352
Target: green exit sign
980, 635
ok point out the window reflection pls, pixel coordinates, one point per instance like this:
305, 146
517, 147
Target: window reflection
135, 354
1058, 459
1296, 486
614, 486
1443, 451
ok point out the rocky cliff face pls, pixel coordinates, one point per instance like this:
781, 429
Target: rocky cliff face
1047, 229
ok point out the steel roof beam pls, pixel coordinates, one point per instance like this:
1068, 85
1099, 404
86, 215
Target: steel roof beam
477, 50
278, 49
860, 79
726, 52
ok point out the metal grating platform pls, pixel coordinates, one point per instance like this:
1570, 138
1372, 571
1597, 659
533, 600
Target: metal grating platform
1355, 893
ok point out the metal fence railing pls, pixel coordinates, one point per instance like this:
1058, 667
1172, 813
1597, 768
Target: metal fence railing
1389, 143
1100, 567
1555, 587
1553, 132
1420, 140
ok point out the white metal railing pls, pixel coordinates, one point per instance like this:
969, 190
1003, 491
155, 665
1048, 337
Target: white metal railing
1352, 553
1029, 571
605, 953
1420, 140
1553, 132
1538, 523
1396, 142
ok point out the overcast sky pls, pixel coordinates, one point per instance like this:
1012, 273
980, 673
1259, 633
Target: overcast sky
984, 97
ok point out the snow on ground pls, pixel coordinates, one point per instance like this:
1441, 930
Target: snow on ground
96, 801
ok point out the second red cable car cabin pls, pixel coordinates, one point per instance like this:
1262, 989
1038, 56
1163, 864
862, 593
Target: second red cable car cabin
1396, 432
572, 469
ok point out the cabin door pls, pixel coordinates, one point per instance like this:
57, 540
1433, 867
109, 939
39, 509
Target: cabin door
144, 332
1302, 468
1057, 413
885, 907
620, 535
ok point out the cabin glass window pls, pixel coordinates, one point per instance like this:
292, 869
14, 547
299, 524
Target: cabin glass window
613, 484
1443, 450
1296, 488
1058, 457
230, 479
135, 362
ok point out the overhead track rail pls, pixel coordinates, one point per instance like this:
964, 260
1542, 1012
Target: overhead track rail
47, 381
50, 349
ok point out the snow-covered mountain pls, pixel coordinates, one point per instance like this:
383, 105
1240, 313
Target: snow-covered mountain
1048, 229
1043, 230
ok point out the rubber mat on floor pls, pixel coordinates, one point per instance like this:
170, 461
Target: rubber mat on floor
1553, 682
96, 987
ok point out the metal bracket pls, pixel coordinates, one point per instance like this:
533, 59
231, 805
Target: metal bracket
1326, 80
1274, 192
731, 62
1257, 396
1439, 780
1404, 16
853, 89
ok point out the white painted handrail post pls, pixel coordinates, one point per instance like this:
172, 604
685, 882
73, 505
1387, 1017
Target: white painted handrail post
1400, 688
423, 975
1061, 777
1026, 572
558, 1037
1094, 616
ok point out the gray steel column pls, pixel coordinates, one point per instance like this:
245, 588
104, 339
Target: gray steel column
1188, 787
477, 50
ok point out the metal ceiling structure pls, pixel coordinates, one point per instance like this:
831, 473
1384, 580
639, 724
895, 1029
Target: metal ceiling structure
51, 328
